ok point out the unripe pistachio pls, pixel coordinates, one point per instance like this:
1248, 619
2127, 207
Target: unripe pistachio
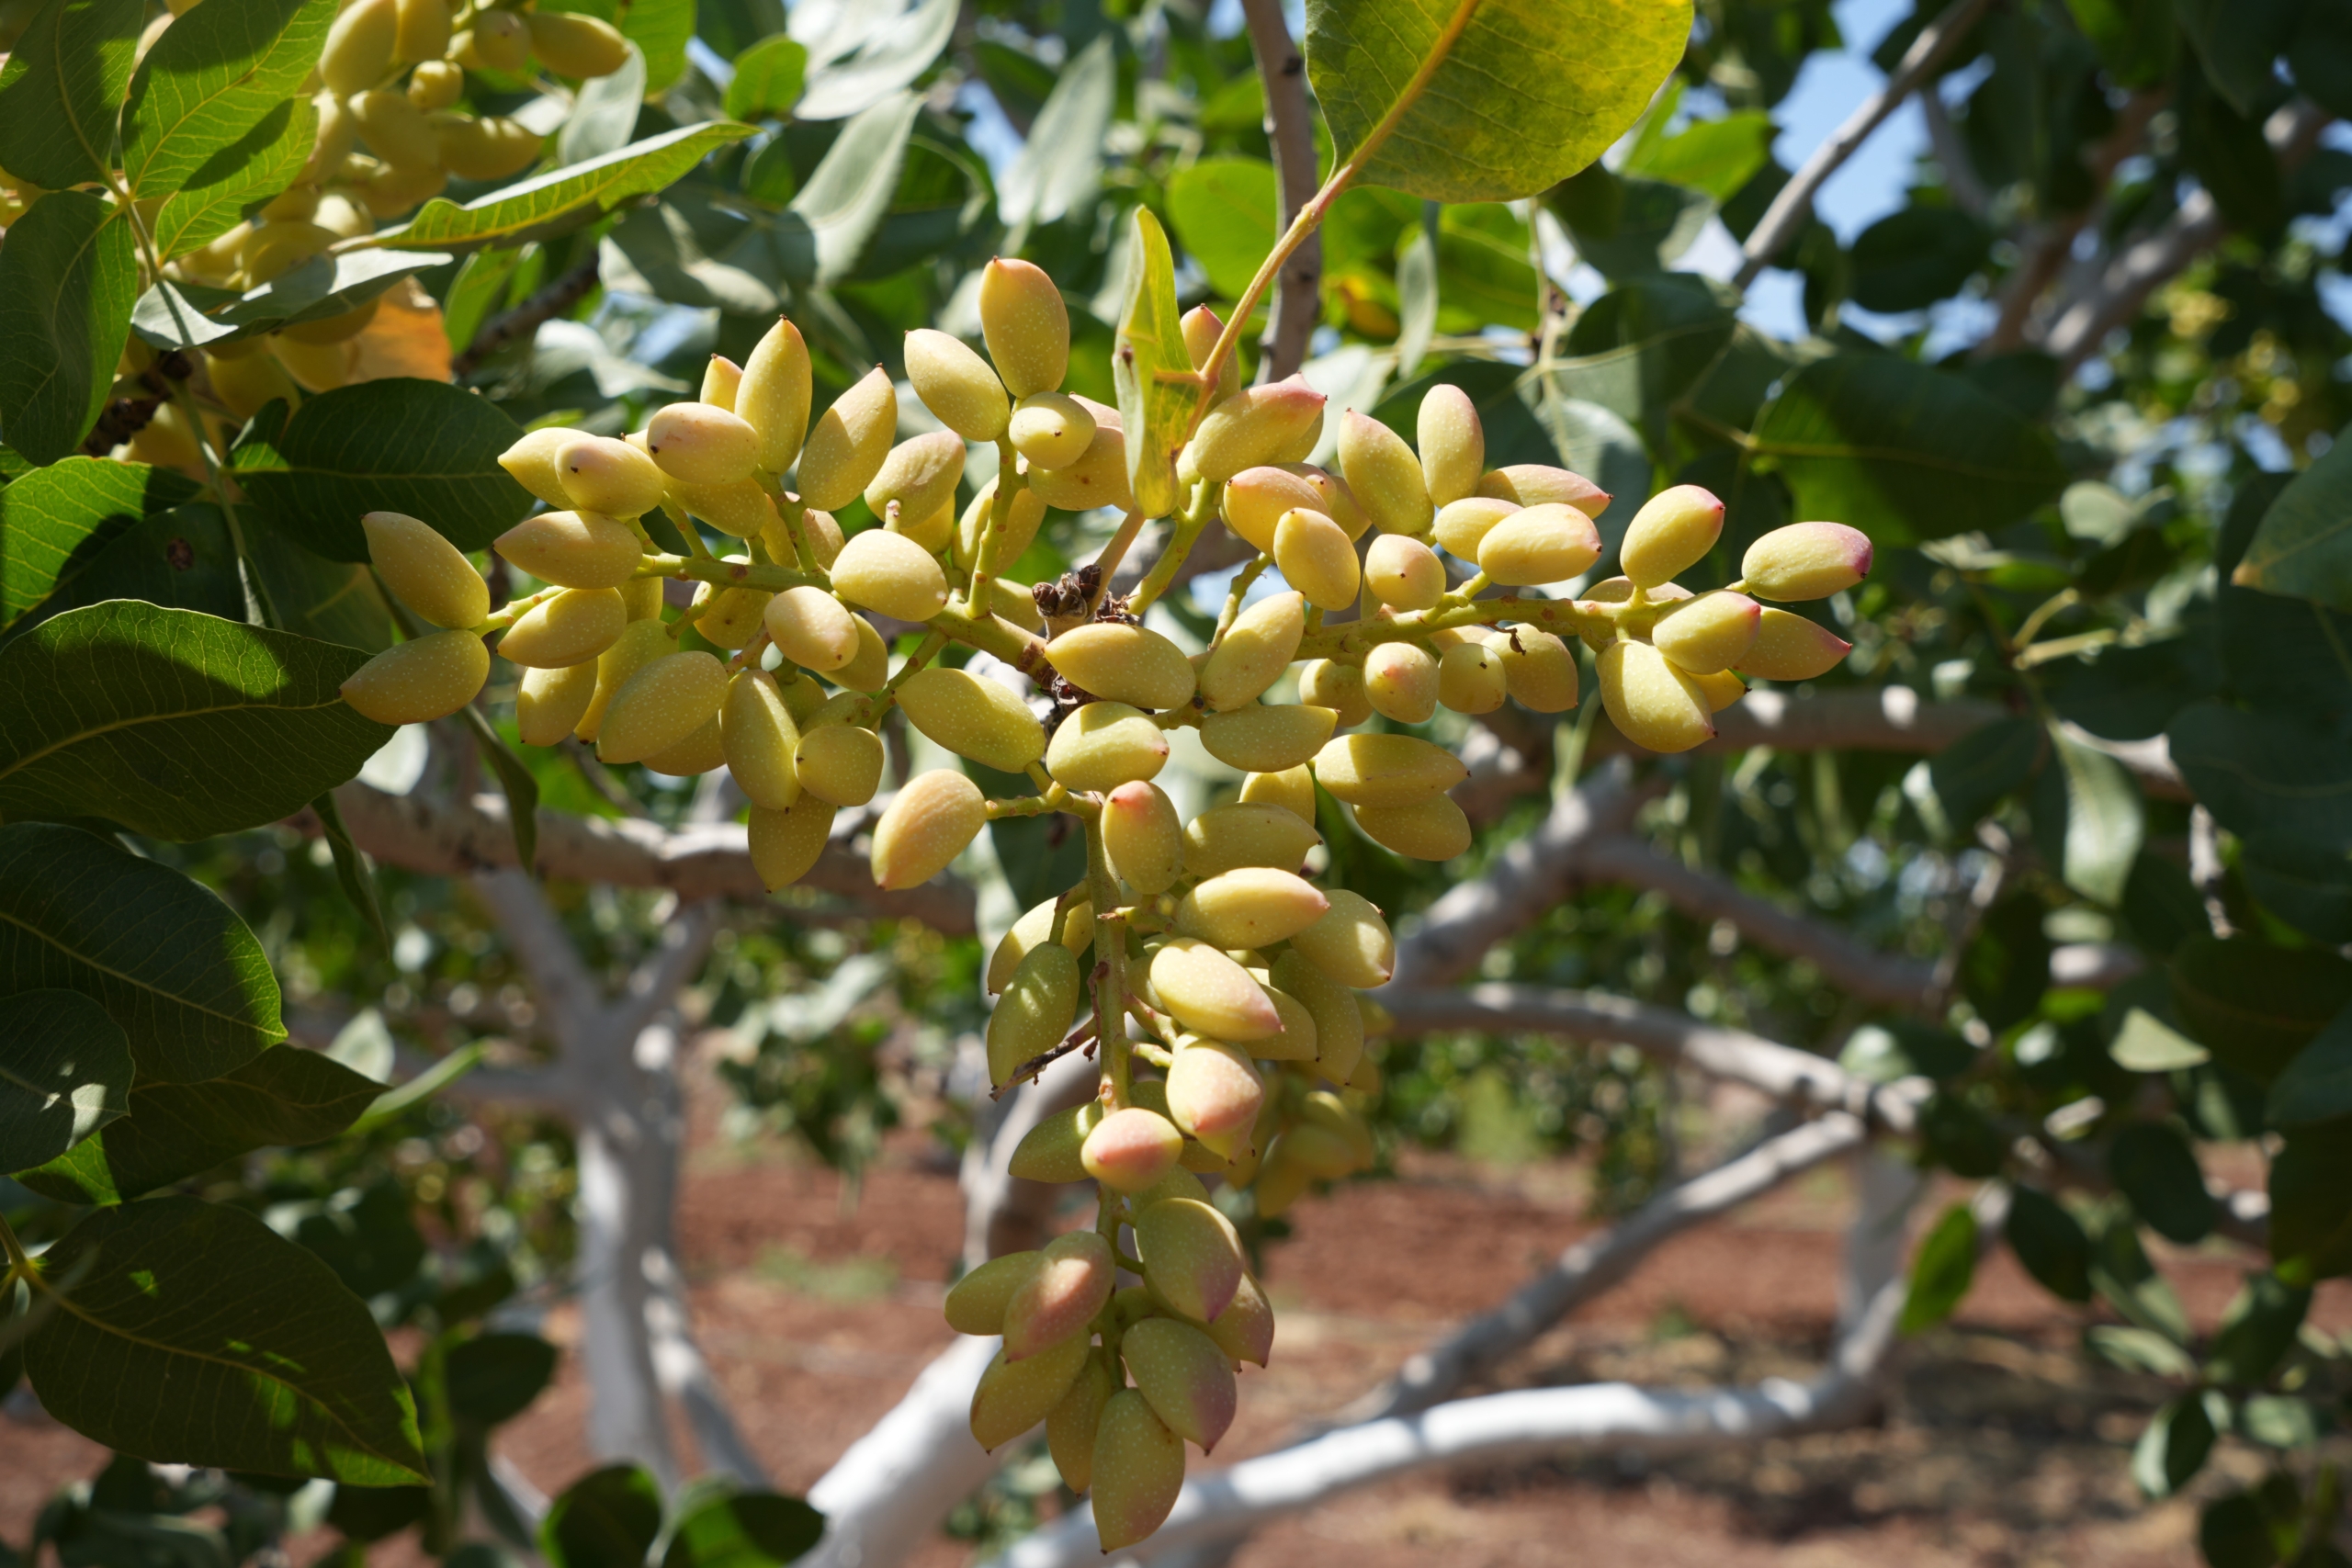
1131, 1150
1016, 603
1317, 557
641, 641
957, 384
314, 369
720, 380
271, 249
1208, 991
1709, 633
1295, 1043
785, 844
1245, 1330
573, 549
1038, 1007
1383, 475
933, 819
550, 702
1123, 664
1053, 1149
1386, 770
358, 51
1184, 1376
1025, 324
702, 751
1339, 1024
394, 129
1463, 525
246, 385
868, 668
1293, 789
1032, 929
1721, 689
1652, 703
1020, 529
1433, 829
839, 762
489, 148
759, 732
1619, 590
976, 1304
1401, 682
701, 445
1327, 683
1258, 739
664, 703
1250, 907
577, 624
1202, 328
1050, 430
1143, 837
890, 573
774, 395
919, 474
1806, 560
847, 444
1672, 532
1224, 838
337, 134
1255, 501
1352, 943
1539, 484
1539, 543
1191, 1258
1104, 745
430, 575
934, 533
824, 536
1404, 573
1137, 1471
531, 463
498, 41
600, 474
980, 719
1789, 648
425, 679
1321, 1108
1282, 1180
1452, 444
1470, 678
812, 628
1070, 1426
1015, 1397
1538, 669
423, 34
1255, 650
1097, 478
572, 45
389, 190
1255, 425
1072, 1282
1368, 1078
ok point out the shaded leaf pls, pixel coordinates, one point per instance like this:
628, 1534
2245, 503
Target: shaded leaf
565, 196
212, 77
1157, 392
1976, 772
2122, 1275
2311, 1203
1642, 345
2255, 1005
768, 78
55, 520
726, 1528
64, 1073
2259, 772
607, 1518
2231, 1532
68, 276
515, 781
1418, 301
604, 113
182, 558
2130, 693
2089, 818
1061, 163
493, 1377
1914, 257
2172, 1449
2152, 1164
257, 166
2050, 1242
1227, 214
2307, 885
820, 238
190, 315
1943, 1271
352, 872
1630, 227
2257, 1330
2316, 1083
62, 90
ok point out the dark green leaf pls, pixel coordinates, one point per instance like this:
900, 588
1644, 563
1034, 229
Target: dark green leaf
2259, 772
1957, 1137
1644, 344
182, 558
2257, 1330
2050, 1242
2307, 885
1715, 156
287, 1095
1883, 1053
352, 872
2311, 1203
767, 79
56, 520
2006, 968
522, 790
1485, 103
1157, 392
493, 1377
1060, 165
365, 1233
607, 1518
820, 237
2288, 656
1904, 452
64, 1073
1975, 773
725, 1529
2122, 1274
68, 276
2238, 42
209, 80
2321, 55
2152, 1164
1630, 227
2232, 1532
2255, 1005
565, 197
62, 89
155, 718
1941, 1273
371, 1513
2316, 1083
165, 958
2130, 693
1484, 275
2172, 1449
197, 1336
423, 447
1227, 214
189, 315
1913, 258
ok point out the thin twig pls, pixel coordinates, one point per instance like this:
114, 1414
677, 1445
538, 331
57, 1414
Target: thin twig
1082, 1035
550, 300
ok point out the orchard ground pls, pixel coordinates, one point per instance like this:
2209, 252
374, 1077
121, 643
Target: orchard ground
2000, 1446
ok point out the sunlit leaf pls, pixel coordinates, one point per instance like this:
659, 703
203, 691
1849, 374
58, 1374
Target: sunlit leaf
68, 276
64, 1073
1157, 393
566, 197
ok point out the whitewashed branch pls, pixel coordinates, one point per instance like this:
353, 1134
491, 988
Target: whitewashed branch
885, 1496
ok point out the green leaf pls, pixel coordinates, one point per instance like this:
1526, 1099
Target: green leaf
62, 91
1914, 257
2255, 1005
1630, 227
174, 724
423, 447
1942, 1271
1417, 300
288, 1096
604, 113
607, 1518
1157, 393
2172, 1449
2089, 818
64, 1073
1882, 1052
2152, 1164
182, 558
352, 872
1484, 275
2006, 968
820, 238
567, 196
1713, 156
2239, 42
199, 1337
1455, 100
189, 315
365, 1234
1226, 212
2279, 1421
2316, 1083
858, 64
2130, 693
55, 520
209, 80
2258, 771
2144, 1043
1903, 452
2311, 1203
2139, 1350
68, 276
1976, 772
515, 781
2121, 1273
768, 78
2051, 1244
660, 29
393, 1102
1060, 165
2307, 885
257, 166
720, 1527
2257, 1330
2232, 1532
493, 1377
2303, 545
1642, 346
168, 960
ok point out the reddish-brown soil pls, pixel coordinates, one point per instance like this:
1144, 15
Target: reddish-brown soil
2000, 1446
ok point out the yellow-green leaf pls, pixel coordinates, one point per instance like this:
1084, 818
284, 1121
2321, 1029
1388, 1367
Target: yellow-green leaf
1157, 393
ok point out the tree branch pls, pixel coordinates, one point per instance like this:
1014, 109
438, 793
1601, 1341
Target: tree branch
1290, 128
1789, 208
885, 1496
2052, 241
568, 993
555, 298
1968, 192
